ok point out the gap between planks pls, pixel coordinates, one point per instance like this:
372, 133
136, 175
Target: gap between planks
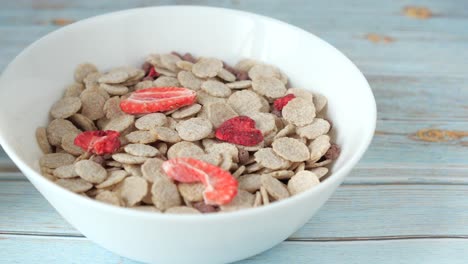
316, 239
363, 176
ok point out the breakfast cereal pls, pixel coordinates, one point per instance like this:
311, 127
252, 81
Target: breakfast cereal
186, 135
302, 181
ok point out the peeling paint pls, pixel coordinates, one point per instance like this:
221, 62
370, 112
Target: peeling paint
376, 38
380, 133
438, 135
62, 21
418, 12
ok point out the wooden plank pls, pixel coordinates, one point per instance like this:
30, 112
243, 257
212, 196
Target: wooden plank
290, 11
426, 251
79, 250
406, 175
416, 78
362, 176
354, 211
6, 165
415, 46
28, 249
406, 144
388, 59
417, 69
421, 98
418, 144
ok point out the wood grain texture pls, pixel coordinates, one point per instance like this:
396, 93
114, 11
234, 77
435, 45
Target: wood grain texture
345, 26
428, 251
396, 144
354, 211
410, 184
55, 250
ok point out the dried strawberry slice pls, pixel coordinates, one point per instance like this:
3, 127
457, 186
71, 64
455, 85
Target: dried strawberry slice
98, 142
279, 103
152, 73
220, 185
239, 130
157, 99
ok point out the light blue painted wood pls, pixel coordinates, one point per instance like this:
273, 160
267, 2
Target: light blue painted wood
396, 146
353, 211
437, 40
428, 99
383, 252
365, 176
402, 187
376, 59
55, 250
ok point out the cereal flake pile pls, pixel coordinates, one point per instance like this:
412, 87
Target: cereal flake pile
186, 135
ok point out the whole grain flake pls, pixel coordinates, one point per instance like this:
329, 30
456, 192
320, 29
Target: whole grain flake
183, 135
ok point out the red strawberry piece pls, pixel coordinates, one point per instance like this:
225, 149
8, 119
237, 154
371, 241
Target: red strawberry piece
283, 101
152, 73
157, 99
98, 142
239, 130
220, 185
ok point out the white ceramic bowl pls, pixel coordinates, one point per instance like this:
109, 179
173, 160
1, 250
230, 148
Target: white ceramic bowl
36, 78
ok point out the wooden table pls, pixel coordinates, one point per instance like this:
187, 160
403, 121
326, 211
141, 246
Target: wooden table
406, 201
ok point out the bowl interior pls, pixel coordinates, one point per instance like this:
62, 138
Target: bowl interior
37, 77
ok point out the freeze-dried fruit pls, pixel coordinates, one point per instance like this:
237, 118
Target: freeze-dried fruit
281, 102
239, 130
221, 187
186, 135
158, 99
98, 142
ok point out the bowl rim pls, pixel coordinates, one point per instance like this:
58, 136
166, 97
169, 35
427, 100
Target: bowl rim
336, 176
